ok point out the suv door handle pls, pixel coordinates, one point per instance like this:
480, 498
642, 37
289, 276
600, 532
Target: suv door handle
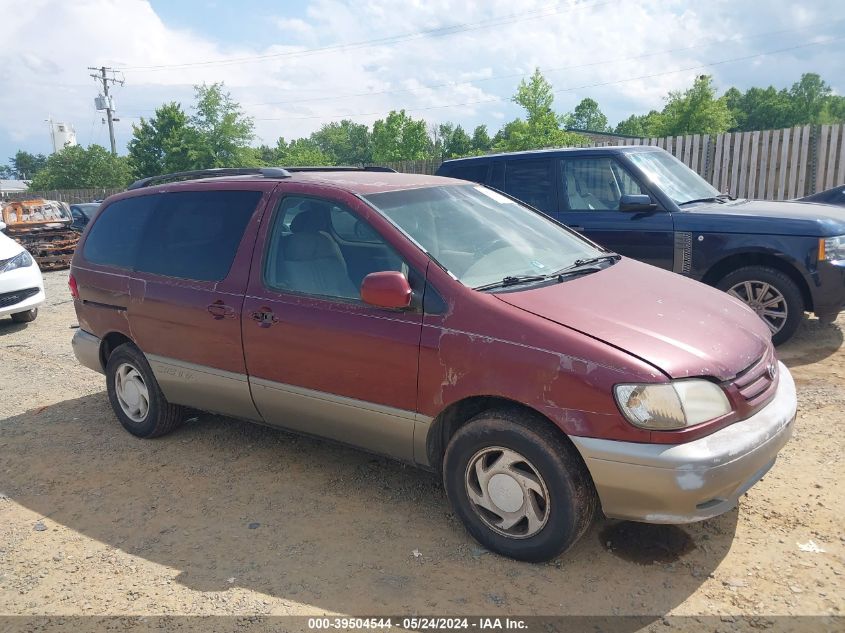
575, 227
264, 317
219, 310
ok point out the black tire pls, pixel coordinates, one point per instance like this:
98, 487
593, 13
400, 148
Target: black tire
783, 284
25, 317
161, 417
572, 500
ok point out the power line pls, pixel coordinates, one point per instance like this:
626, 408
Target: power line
583, 87
545, 70
453, 29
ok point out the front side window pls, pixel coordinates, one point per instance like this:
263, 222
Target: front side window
195, 234
318, 247
479, 235
596, 184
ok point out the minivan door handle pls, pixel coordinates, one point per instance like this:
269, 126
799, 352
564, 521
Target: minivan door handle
219, 310
575, 227
264, 317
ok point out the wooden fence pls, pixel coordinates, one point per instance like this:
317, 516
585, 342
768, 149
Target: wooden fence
71, 196
770, 164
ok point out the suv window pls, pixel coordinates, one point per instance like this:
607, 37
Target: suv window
596, 183
195, 234
531, 181
321, 248
475, 171
115, 236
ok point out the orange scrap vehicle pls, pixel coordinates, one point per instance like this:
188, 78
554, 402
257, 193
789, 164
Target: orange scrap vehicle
43, 228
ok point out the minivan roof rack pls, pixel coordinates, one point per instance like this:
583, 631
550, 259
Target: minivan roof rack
267, 172
342, 168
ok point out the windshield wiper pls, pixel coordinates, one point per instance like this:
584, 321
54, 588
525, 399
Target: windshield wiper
587, 263
722, 197
511, 280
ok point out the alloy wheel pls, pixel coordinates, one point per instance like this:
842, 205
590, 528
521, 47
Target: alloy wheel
766, 300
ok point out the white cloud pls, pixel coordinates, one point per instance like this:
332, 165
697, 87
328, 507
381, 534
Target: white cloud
585, 48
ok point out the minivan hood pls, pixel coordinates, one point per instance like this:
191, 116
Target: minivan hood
764, 217
681, 326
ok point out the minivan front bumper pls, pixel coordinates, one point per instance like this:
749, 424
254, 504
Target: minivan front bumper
682, 483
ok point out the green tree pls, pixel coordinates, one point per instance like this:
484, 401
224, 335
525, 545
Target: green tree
542, 126
222, 133
809, 96
162, 144
399, 137
76, 167
300, 152
346, 142
460, 144
641, 125
588, 116
481, 141
695, 111
24, 166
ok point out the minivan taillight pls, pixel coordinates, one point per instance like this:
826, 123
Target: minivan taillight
74, 290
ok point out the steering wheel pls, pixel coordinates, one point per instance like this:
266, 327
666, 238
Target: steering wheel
491, 246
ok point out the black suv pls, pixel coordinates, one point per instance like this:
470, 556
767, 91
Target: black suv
781, 258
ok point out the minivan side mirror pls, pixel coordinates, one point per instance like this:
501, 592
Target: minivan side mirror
636, 202
387, 289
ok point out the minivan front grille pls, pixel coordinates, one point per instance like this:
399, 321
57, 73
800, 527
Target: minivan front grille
756, 383
11, 298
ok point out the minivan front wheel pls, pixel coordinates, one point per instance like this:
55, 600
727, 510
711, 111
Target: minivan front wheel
775, 298
135, 395
519, 488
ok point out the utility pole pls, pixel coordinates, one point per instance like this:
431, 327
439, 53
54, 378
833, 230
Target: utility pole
105, 102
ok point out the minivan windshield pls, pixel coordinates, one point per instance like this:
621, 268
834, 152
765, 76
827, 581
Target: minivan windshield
676, 180
481, 236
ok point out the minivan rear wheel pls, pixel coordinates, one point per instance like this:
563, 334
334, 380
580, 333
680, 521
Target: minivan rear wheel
135, 396
519, 488
775, 298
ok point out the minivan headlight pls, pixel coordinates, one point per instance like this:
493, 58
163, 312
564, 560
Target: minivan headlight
832, 249
671, 406
21, 260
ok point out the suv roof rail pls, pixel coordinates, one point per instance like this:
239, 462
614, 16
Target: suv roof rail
342, 168
267, 172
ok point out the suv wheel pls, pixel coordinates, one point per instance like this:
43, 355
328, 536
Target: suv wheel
135, 395
518, 487
25, 317
771, 294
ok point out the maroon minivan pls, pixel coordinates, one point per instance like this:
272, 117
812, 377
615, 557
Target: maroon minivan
440, 323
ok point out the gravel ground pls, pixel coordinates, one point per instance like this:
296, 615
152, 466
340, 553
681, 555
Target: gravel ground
226, 517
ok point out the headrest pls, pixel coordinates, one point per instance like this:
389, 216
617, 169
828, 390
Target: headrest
310, 246
314, 217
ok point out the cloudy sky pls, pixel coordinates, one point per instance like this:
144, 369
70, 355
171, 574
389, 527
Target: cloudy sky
296, 65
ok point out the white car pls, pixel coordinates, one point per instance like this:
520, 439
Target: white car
21, 284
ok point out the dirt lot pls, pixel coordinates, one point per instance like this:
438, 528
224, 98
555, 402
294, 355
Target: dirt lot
226, 517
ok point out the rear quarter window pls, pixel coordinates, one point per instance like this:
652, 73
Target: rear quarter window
116, 235
474, 171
